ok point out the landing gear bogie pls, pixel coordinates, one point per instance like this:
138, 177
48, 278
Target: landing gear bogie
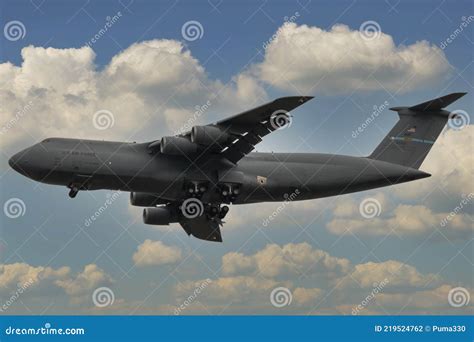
196, 189
228, 192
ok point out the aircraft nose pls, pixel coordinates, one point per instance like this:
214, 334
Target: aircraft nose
13, 162
18, 162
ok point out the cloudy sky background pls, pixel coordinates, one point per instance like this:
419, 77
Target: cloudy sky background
152, 79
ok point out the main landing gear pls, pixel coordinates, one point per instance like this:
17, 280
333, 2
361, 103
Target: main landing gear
216, 211
228, 192
196, 189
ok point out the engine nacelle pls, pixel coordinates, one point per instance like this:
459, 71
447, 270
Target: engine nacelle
161, 216
177, 146
141, 199
207, 135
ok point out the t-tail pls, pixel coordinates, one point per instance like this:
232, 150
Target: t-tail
410, 140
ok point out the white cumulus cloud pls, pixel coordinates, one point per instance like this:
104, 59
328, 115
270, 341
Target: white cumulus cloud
308, 59
151, 253
275, 260
151, 88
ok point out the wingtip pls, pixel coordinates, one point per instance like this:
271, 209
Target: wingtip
297, 97
306, 98
397, 109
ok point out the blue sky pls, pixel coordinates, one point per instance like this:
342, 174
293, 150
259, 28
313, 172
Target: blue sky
138, 69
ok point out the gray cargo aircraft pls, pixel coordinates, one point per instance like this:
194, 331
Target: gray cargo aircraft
190, 178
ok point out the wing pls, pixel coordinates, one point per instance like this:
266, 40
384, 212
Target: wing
234, 137
203, 228
251, 126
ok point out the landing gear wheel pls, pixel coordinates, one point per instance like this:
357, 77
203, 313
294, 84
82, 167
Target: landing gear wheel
73, 192
223, 212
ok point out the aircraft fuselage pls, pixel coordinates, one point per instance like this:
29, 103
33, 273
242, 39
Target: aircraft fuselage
262, 177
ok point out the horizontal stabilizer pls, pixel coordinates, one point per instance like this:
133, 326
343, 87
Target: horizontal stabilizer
437, 104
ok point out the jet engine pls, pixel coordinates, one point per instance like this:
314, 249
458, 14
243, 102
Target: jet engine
141, 199
207, 135
177, 146
161, 216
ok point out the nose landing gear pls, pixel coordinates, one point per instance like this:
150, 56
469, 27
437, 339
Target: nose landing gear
73, 191
223, 212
